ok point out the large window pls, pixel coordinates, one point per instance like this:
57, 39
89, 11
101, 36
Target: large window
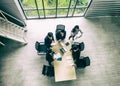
42, 9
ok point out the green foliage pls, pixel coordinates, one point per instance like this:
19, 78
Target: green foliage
82, 2
52, 4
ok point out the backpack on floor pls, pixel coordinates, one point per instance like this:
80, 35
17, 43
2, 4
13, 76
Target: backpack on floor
48, 71
81, 63
87, 61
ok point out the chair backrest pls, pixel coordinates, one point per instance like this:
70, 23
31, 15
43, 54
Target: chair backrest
82, 46
60, 27
41, 47
75, 44
37, 45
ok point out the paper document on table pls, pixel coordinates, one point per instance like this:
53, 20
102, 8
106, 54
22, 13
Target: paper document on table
69, 60
53, 44
62, 44
57, 56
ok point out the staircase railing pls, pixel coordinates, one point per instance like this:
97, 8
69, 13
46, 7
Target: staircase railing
11, 30
12, 19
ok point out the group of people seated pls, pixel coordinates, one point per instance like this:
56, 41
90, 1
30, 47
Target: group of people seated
61, 35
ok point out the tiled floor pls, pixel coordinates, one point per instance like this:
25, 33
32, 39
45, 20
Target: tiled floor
21, 66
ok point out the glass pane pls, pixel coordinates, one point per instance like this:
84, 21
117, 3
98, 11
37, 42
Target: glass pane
41, 13
63, 3
50, 13
70, 12
73, 2
47, 3
28, 3
31, 13
79, 12
82, 2
50, 3
62, 12
39, 3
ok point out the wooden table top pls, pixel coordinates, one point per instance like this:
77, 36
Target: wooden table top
64, 69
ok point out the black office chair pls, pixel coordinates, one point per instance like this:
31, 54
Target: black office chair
60, 27
80, 45
40, 47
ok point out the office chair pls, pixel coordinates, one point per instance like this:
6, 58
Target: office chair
82, 46
60, 27
40, 47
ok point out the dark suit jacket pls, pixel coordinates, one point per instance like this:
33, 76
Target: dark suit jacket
58, 35
75, 54
49, 57
48, 41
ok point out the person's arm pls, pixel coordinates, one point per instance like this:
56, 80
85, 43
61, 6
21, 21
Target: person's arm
80, 33
64, 35
45, 40
57, 35
53, 38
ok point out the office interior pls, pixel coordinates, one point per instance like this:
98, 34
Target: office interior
20, 65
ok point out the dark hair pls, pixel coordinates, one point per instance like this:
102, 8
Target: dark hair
62, 30
50, 34
76, 26
74, 47
74, 29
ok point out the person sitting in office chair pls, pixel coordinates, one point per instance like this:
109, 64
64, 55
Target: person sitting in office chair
76, 33
49, 56
49, 39
60, 35
75, 52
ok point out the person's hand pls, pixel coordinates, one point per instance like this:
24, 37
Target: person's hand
59, 40
53, 41
50, 47
74, 65
78, 36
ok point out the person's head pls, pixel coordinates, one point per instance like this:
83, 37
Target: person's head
50, 35
76, 27
75, 48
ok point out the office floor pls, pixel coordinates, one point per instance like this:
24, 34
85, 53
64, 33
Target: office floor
21, 66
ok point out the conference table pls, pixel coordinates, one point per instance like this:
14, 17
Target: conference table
63, 64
